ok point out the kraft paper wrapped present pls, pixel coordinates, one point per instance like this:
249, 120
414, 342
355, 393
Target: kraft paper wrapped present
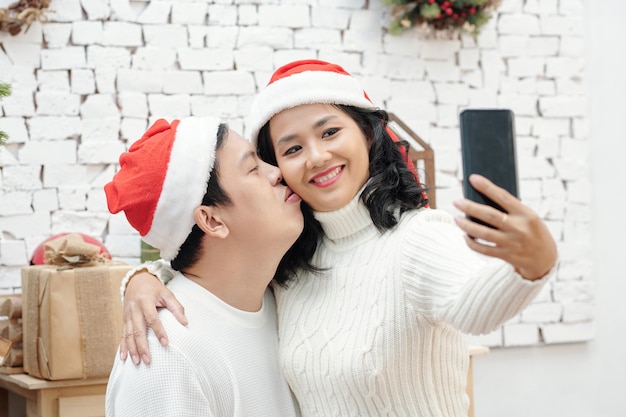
71, 312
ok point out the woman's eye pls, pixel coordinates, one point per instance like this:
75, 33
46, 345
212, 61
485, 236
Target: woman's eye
292, 150
330, 132
256, 168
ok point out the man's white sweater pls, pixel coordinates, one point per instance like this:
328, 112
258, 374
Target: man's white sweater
224, 363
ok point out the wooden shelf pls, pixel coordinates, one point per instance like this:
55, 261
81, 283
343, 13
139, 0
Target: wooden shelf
65, 398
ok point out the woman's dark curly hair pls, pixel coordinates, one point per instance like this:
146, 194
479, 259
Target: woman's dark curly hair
392, 188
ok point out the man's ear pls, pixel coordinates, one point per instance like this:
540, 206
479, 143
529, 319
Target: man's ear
209, 220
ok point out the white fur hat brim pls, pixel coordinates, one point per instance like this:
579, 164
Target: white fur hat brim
191, 162
307, 87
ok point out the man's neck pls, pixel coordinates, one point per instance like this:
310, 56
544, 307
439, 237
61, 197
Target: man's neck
239, 284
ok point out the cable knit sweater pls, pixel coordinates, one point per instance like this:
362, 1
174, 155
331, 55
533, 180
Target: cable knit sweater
380, 332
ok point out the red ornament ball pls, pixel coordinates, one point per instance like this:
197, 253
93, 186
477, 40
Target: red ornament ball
37, 258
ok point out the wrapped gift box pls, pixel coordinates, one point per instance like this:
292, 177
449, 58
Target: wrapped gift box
72, 320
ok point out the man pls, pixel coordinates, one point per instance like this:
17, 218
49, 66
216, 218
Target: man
199, 193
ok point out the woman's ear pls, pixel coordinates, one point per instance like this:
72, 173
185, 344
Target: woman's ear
209, 220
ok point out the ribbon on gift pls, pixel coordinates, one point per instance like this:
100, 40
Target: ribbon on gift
70, 251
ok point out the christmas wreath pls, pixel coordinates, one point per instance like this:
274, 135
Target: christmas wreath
440, 15
22, 13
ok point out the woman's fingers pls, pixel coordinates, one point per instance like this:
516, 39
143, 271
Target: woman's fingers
498, 195
144, 294
169, 301
123, 346
128, 338
520, 237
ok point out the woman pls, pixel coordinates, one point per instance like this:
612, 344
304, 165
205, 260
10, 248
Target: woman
382, 288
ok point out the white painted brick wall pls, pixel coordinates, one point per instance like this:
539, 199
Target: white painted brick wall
15, 127
182, 82
521, 334
206, 59
87, 33
22, 177
48, 152
53, 80
63, 58
228, 82
57, 35
96, 9
57, 103
132, 129
161, 105
277, 38
164, 35
22, 226
565, 332
221, 37
155, 12
15, 202
133, 104
54, 127
45, 200
65, 11
518, 24
13, 252
284, 16
154, 57
27, 54
82, 81
189, 13
72, 198
139, 81
99, 57
19, 103
109, 68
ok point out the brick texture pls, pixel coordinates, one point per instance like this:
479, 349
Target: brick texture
87, 83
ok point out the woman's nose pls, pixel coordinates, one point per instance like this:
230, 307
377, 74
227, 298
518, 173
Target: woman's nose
317, 155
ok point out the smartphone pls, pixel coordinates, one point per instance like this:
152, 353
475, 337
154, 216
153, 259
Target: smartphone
488, 149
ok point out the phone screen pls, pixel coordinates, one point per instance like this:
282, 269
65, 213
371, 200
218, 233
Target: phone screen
488, 149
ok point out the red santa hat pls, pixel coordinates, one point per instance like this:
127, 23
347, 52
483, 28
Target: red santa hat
163, 178
308, 82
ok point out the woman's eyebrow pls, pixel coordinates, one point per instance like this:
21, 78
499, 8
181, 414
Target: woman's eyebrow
321, 122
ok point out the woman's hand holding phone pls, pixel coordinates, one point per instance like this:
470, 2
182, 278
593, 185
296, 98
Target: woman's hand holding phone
519, 237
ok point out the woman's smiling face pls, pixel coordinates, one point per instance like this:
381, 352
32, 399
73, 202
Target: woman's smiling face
322, 153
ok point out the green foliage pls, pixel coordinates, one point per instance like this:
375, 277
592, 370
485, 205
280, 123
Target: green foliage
395, 27
5, 91
390, 2
430, 11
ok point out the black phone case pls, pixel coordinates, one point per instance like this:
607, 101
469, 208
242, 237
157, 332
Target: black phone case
488, 149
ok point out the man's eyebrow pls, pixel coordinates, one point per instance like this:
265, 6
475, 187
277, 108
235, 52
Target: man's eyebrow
247, 155
321, 122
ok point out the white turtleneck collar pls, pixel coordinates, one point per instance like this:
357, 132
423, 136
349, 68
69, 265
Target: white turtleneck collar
347, 221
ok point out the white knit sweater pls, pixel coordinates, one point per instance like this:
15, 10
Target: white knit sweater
380, 332
224, 363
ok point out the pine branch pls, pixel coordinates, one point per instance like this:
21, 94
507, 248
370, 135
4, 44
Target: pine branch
5, 91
